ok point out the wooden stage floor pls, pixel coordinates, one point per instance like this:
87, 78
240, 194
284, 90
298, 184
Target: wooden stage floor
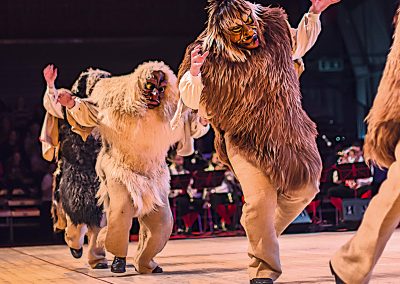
213, 260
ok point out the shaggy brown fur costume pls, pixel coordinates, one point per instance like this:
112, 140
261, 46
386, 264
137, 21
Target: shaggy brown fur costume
384, 117
253, 97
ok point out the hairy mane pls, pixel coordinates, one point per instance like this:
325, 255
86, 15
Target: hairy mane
384, 117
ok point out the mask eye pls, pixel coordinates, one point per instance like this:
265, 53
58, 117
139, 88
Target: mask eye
249, 20
236, 29
161, 89
149, 86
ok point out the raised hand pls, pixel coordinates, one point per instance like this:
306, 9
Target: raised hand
50, 75
197, 60
66, 99
318, 6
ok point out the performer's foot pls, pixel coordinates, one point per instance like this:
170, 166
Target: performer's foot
157, 270
77, 253
118, 265
101, 266
337, 278
261, 281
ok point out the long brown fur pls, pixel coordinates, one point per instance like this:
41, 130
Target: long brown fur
255, 100
384, 117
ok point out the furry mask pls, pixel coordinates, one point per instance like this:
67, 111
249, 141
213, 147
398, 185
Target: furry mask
222, 16
123, 95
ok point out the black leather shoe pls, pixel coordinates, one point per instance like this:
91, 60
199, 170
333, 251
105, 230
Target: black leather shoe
101, 266
118, 265
337, 278
261, 281
77, 253
157, 270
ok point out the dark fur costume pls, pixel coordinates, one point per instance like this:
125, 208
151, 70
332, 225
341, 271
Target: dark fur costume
78, 182
254, 98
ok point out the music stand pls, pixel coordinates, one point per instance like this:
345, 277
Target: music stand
353, 171
203, 179
208, 179
180, 181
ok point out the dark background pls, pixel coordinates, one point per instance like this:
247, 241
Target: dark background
342, 70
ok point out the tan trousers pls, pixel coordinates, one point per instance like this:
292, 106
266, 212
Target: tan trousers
355, 261
266, 214
155, 228
75, 236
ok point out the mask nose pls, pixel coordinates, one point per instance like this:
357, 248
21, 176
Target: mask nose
155, 94
248, 33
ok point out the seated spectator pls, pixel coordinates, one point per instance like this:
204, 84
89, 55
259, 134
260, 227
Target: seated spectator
5, 129
10, 146
16, 175
46, 199
22, 115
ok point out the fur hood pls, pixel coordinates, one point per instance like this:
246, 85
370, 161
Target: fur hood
256, 102
123, 95
384, 117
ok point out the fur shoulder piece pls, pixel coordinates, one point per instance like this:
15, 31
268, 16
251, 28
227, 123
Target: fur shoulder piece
124, 94
384, 117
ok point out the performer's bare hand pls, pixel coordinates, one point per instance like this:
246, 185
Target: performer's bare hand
66, 99
197, 60
318, 6
50, 75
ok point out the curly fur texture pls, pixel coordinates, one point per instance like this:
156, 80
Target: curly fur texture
384, 117
136, 139
255, 100
79, 183
76, 182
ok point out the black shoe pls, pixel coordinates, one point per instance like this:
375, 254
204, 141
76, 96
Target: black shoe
157, 270
101, 266
261, 281
77, 253
337, 278
118, 265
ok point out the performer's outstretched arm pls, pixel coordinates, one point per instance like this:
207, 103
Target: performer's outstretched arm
50, 103
190, 86
306, 34
84, 112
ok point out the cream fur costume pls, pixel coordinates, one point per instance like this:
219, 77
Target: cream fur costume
131, 165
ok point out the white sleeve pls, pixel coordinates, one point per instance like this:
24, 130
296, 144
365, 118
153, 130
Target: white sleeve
84, 113
197, 129
305, 36
50, 103
190, 88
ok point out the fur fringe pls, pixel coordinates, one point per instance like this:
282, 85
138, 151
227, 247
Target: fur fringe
384, 117
257, 104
